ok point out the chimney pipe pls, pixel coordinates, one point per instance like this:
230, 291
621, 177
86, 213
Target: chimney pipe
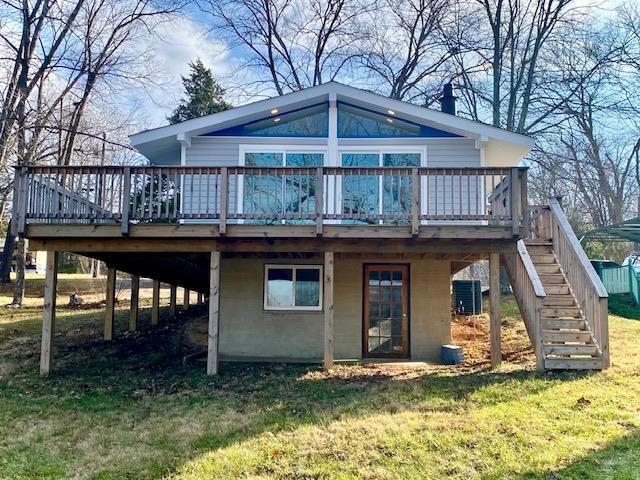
448, 100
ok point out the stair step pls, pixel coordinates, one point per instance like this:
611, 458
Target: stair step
566, 336
573, 324
538, 241
540, 249
557, 289
573, 363
554, 312
547, 268
591, 350
542, 258
559, 300
552, 278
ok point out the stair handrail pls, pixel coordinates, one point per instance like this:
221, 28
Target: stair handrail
536, 282
529, 293
585, 283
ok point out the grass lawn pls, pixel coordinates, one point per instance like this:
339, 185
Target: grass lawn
130, 409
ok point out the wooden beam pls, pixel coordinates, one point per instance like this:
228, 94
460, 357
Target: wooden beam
494, 312
224, 200
135, 295
186, 299
49, 313
155, 304
319, 201
126, 195
328, 310
415, 203
111, 300
200, 300
515, 193
214, 314
211, 232
128, 245
173, 293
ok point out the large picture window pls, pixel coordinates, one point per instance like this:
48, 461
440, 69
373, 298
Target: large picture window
306, 122
293, 287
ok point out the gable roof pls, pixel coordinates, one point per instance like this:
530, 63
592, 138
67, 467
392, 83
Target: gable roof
165, 141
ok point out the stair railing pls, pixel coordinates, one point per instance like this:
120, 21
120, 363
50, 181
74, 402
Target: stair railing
529, 293
582, 277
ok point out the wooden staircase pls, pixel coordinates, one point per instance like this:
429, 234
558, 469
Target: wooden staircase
567, 341
561, 298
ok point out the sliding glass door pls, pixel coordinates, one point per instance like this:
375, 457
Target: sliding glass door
275, 198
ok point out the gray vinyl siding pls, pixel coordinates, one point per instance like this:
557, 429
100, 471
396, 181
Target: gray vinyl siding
441, 153
453, 154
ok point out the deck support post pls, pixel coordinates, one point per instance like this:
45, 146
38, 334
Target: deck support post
199, 299
173, 293
494, 306
155, 303
111, 300
135, 295
214, 314
49, 313
185, 299
328, 310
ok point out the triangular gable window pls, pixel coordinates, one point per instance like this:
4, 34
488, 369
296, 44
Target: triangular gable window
356, 122
306, 122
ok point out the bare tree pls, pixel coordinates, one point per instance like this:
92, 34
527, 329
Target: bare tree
409, 49
512, 40
591, 151
297, 43
61, 53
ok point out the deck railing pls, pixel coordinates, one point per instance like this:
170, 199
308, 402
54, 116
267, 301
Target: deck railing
270, 195
581, 276
530, 294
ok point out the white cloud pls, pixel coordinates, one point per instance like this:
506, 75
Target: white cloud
174, 44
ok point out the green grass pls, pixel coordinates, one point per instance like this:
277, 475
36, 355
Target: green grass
130, 409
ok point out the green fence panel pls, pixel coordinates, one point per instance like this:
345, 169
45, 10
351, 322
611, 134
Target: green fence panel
616, 279
634, 285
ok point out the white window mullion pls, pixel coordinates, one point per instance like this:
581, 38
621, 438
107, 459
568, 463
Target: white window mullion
380, 188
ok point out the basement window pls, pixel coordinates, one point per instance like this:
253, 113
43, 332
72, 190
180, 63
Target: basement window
293, 287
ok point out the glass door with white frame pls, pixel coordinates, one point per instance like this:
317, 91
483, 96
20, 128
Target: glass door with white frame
370, 195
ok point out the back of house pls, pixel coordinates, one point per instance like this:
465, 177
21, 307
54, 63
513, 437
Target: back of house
326, 224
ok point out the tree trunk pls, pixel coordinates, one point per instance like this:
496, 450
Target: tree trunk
18, 289
7, 257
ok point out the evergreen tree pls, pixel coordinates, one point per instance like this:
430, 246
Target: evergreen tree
203, 95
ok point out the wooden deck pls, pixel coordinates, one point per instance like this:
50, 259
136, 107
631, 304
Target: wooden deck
177, 224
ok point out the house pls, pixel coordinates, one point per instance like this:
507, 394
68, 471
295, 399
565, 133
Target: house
322, 225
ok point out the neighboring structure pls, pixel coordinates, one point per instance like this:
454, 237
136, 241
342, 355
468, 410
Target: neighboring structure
325, 224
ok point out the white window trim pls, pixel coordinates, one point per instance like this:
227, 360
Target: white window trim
265, 148
293, 267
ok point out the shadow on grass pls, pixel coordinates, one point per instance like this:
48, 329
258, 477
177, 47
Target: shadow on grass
623, 306
617, 460
143, 371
